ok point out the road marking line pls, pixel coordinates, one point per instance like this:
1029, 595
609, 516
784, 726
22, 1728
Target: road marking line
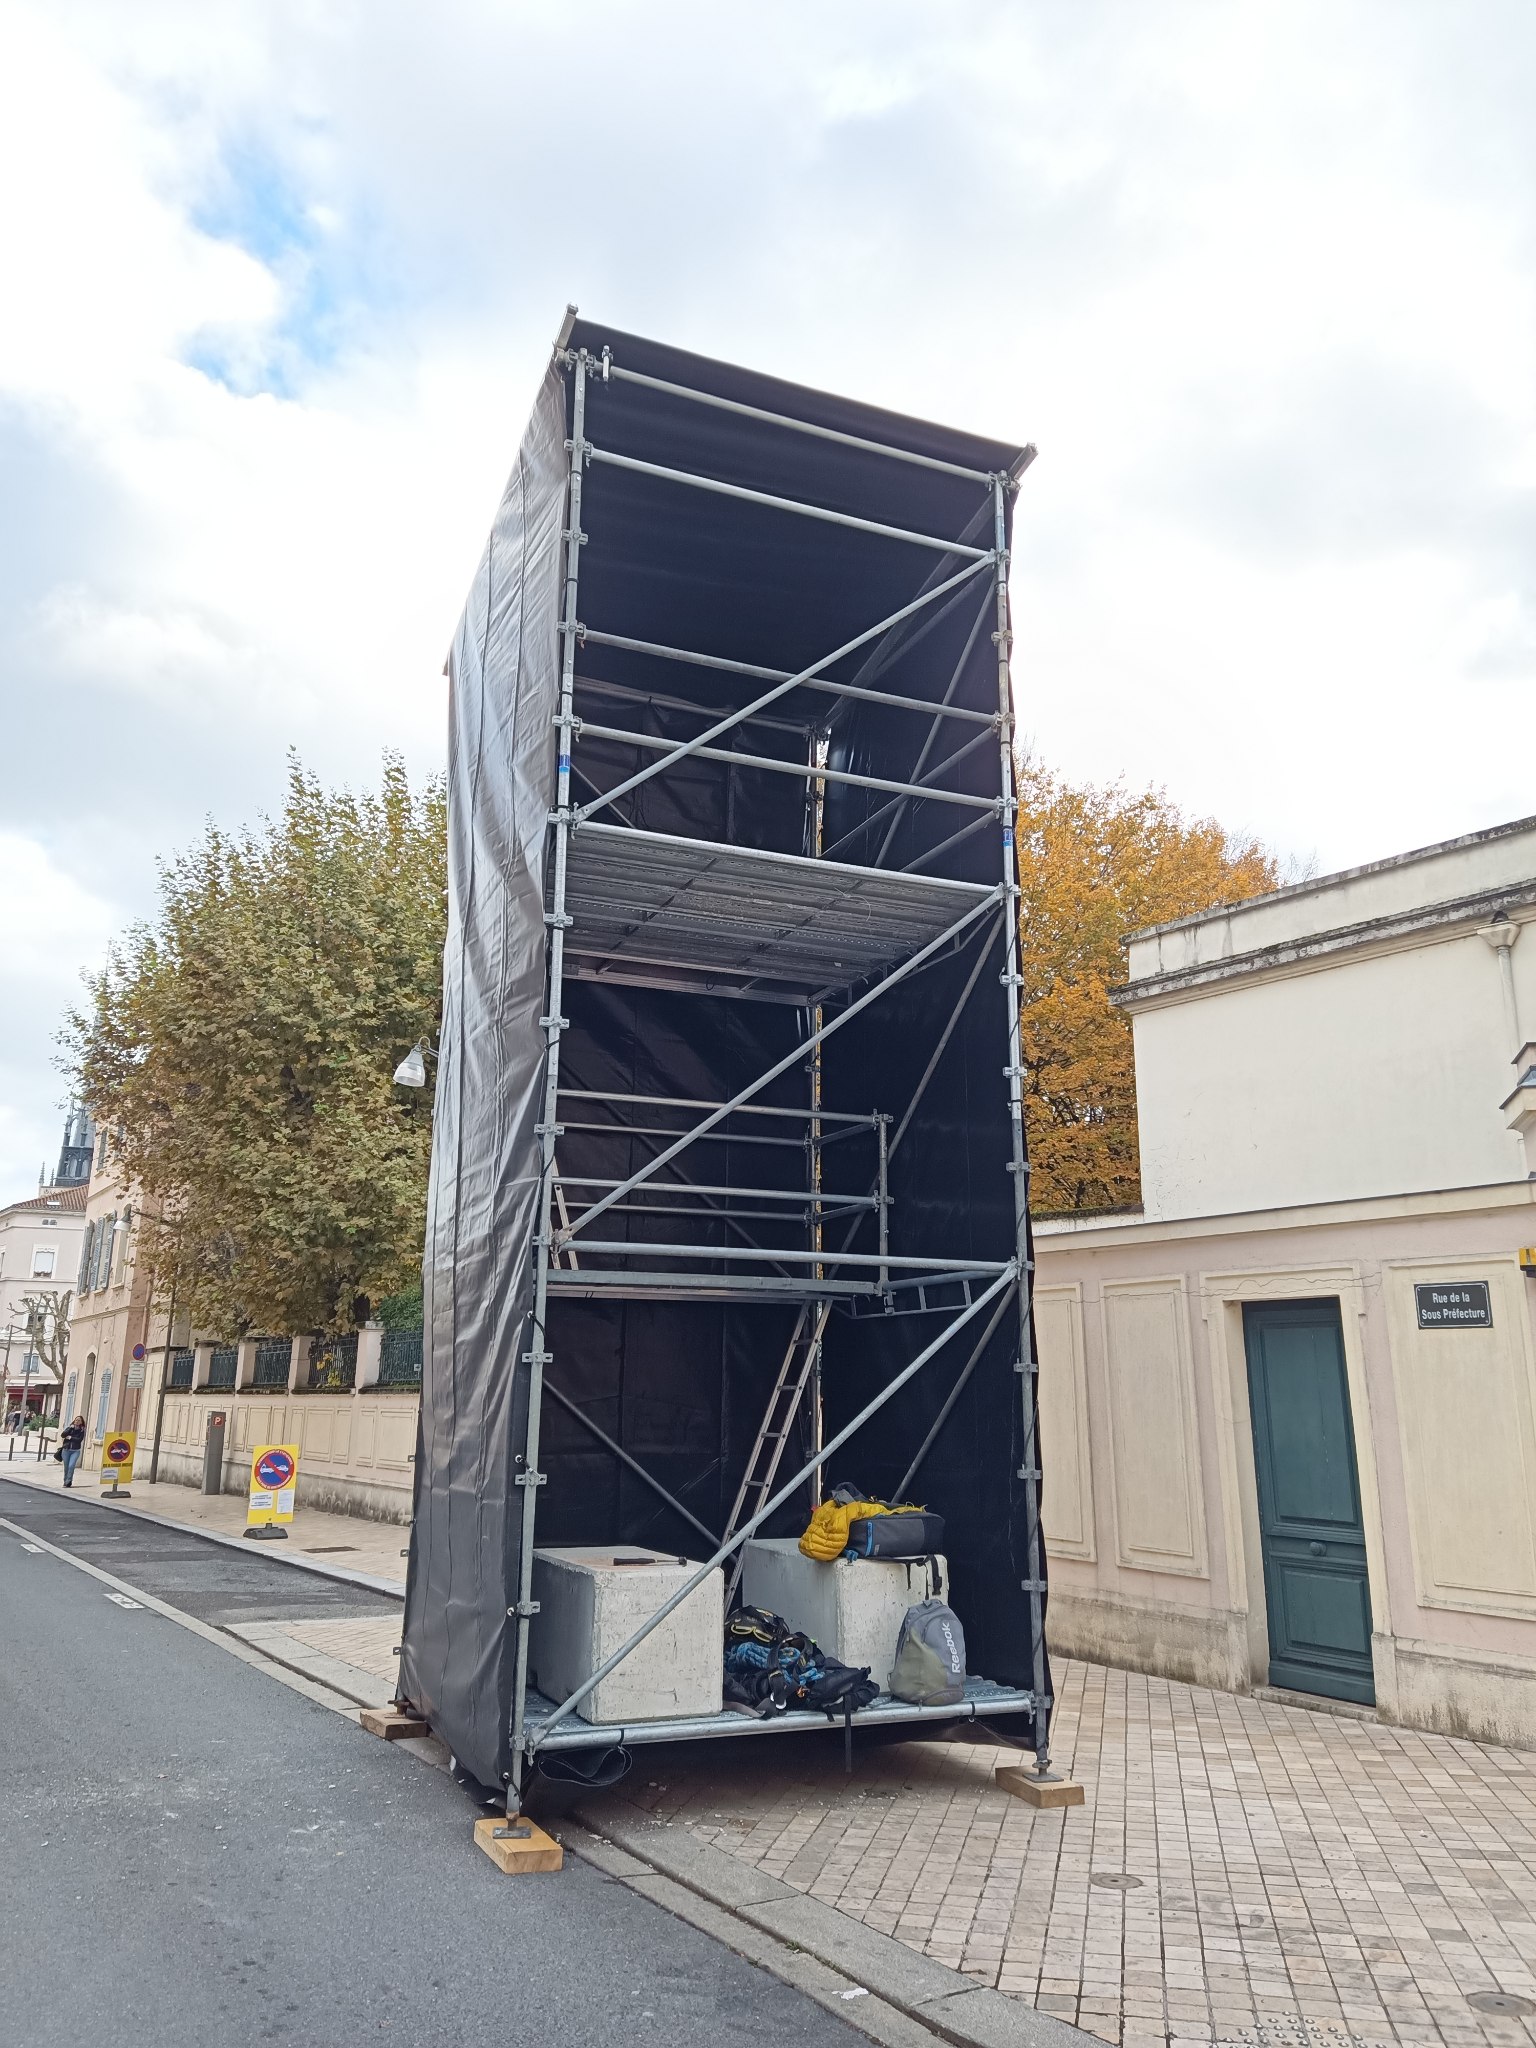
320, 1694
300, 1560
35, 1548
123, 1601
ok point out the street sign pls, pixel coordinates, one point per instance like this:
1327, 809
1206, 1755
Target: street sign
117, 1457
1454, 1305
140, 1353
274, 1481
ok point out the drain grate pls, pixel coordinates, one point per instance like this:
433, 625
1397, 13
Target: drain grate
1501, 2001
1114, 1880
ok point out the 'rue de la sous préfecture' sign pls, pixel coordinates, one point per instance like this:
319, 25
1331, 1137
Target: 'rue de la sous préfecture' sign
1454, 1305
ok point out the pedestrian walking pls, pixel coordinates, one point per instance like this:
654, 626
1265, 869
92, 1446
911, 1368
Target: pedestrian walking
71, 1445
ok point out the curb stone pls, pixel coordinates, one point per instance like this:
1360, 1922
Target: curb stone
908, 1985
868, 2014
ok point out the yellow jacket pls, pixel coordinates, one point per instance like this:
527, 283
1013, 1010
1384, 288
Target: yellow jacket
827, 1536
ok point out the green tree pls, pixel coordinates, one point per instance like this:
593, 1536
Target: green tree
1096, 864
242, 1042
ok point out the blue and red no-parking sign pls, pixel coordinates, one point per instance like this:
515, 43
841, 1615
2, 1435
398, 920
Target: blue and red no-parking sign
274, 1469
274, 1480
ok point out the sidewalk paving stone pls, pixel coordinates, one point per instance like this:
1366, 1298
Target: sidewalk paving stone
1307, 1879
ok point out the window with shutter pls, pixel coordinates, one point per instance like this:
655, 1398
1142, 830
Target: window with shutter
106, 1231
87, 1253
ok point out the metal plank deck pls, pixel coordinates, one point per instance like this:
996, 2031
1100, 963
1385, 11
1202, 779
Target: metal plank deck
708, 918
983, 1700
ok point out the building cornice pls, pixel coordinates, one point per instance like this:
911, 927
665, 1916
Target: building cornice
1498, 1197
1318, 885
1401, 932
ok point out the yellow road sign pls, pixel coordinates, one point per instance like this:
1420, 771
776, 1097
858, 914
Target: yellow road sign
274, 1480
117, 1457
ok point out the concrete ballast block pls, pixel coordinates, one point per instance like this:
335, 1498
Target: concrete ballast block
853, 1607
591, 1601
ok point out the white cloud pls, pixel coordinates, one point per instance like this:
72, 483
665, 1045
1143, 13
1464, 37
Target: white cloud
1258, 280
53, 929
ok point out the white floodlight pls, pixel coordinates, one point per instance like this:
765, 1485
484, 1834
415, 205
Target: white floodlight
412, 1070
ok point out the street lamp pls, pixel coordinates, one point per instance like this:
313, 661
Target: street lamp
412, 1070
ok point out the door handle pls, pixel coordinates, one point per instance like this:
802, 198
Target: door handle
1318, 1549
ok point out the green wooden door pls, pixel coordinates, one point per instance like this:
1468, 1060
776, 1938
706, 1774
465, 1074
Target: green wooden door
1309, 1500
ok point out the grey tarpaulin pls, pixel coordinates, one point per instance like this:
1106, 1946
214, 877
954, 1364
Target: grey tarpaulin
504, 679
680, 1383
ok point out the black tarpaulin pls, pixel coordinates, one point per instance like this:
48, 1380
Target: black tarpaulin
681, 1384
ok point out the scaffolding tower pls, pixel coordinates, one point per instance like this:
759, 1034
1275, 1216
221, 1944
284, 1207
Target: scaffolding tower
766, 860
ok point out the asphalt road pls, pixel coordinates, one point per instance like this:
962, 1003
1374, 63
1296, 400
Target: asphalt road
216, 1583
192, 1855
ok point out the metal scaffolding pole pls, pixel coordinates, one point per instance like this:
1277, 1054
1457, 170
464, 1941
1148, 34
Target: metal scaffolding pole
661, 700
782, 689
778, 419
694, 481
735, 1541
933, 732
962, 1380
589, 634
627, 736
897, 974
638, 1248
919, 789
624, 1458
923, 860
529, 1477
1012, 981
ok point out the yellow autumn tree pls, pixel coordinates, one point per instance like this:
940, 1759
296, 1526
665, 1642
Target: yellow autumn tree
1097, 863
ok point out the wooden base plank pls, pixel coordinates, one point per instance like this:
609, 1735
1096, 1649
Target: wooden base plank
391, 1724
513, 1853
1038, 1791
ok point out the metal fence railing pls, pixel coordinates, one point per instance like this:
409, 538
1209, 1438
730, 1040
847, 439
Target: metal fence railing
328, 1364
400, 1358
274, 1356
333, 1364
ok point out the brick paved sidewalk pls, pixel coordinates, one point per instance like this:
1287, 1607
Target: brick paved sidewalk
1299, 1877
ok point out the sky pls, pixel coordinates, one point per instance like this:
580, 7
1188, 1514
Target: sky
278, 282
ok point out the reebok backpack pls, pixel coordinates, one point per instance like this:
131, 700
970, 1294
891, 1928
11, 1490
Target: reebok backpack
930, 1657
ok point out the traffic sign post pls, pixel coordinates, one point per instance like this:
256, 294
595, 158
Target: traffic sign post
274, 1481
117, 1462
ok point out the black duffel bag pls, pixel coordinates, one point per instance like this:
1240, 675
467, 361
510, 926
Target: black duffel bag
912, 1533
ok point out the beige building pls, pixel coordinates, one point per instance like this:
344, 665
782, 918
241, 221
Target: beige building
110, 1314
1289, 1406
350, 1407
39, 1251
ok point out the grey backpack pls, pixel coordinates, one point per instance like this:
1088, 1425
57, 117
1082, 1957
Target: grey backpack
930, 1657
